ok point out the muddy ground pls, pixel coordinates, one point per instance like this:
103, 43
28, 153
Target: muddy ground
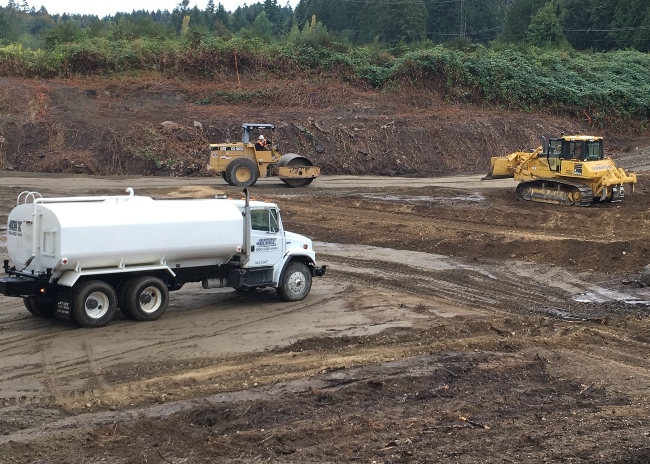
455, 324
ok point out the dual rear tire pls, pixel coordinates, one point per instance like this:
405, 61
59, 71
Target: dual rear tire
38, 308
144, 298
95, 302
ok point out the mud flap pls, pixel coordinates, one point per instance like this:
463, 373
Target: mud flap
63, 306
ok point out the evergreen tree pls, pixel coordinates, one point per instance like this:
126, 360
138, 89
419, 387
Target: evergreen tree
601, 14
642, 36
577, 22
210, 10
262, 27
628, 16
222, 15
518, 17
483, 19
4, 26
64, 32
273, 15
239, 20
405, 22
545, 29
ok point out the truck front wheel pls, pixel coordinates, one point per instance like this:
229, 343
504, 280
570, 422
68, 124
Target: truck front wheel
296, 282
146, 298
93, 303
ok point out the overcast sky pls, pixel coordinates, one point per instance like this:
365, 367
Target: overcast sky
110, 7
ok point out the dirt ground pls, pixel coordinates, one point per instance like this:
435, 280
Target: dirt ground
455, 324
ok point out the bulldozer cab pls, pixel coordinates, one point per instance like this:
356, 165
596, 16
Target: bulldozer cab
582, 149
565, 148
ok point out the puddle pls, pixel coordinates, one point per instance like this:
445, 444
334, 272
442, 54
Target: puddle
474, 197
607, 295
561, 314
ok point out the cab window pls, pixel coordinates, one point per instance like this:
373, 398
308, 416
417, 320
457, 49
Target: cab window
265, 220
594, 151
554, 149
573, 150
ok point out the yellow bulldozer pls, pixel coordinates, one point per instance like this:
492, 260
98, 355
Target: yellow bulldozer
567, 170
241, 164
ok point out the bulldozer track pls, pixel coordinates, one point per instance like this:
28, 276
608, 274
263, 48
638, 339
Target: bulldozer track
526, 191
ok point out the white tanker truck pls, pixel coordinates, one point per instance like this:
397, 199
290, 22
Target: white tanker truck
80, 258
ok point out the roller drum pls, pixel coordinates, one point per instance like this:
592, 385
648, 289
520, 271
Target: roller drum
294, 160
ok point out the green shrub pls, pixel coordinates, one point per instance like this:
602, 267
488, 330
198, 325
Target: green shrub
612, 85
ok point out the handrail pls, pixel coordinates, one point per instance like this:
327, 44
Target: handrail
27, 195
80, 199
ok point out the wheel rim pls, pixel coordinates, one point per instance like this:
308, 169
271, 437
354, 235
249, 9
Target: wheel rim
150, 299
96, 305
242, 174
297, 283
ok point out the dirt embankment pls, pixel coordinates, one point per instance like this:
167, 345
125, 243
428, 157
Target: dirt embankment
154, 125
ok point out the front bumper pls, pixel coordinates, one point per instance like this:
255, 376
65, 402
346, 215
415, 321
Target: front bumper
318, 271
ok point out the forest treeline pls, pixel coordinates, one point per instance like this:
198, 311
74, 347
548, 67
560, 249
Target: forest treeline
396, 25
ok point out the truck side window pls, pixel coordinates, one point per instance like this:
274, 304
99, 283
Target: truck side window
260, 219
265, 219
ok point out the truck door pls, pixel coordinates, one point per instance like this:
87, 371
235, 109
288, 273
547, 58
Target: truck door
266, 238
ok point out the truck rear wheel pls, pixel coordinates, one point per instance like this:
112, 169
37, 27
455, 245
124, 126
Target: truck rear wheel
40, 308
242, 172
296, 282
121, 297
146, 298
93, 303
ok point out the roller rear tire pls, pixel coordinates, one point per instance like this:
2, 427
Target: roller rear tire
242, 172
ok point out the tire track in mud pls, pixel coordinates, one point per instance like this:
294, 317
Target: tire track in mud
498, 287
83, 374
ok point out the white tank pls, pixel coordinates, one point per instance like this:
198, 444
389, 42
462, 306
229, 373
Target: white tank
84, 233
